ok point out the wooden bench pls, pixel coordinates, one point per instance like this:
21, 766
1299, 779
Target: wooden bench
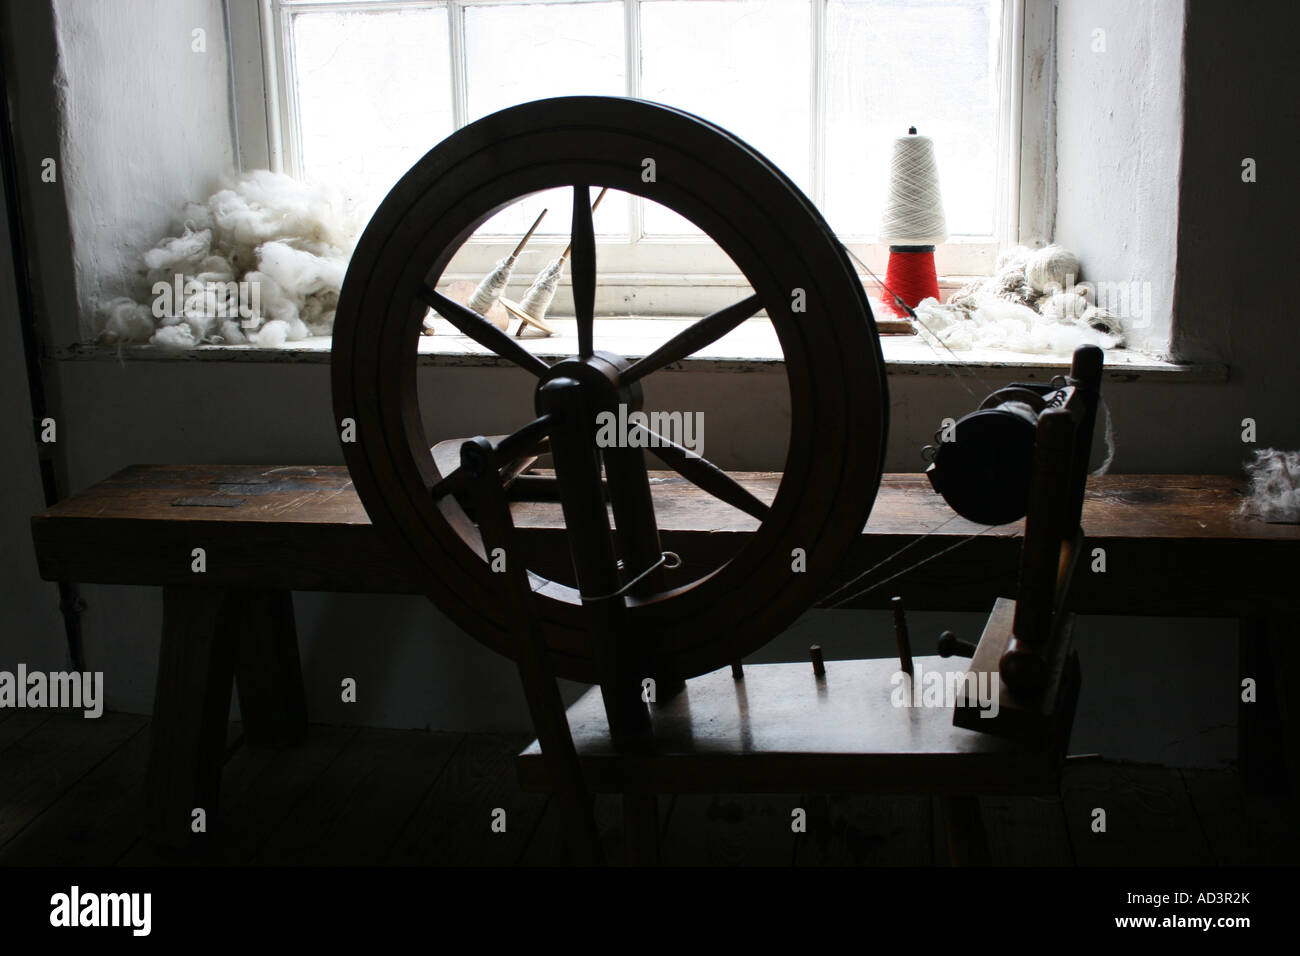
1174, 546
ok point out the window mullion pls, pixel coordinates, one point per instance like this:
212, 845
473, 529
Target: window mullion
459, 69
289, 146
632, 83
817, 138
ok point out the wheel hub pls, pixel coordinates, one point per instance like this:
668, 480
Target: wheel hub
599, 382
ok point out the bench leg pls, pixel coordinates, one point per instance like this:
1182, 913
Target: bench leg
190, 714
968, 843
268, 674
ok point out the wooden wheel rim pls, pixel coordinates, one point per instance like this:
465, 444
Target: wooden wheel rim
835, 371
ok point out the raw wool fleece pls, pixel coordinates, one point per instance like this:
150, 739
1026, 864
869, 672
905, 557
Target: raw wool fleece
1023, 307
292, 240
1274, 486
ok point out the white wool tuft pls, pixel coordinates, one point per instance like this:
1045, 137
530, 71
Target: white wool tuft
263, 206
1004, 310
177, 336
1063, 305
1013, 258
272, 335
997, 323
215, 269
291, 239
181, 254
310, 282
1274, 486
126, 322
1103, 321
232, 334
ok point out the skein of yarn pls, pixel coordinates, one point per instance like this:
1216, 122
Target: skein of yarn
1064, 305
912, 222
1052, 269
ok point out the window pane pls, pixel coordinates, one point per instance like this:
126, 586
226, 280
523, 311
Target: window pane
892, 64
519, 52
743, 64
374, 95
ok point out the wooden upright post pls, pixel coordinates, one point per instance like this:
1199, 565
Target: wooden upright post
545, 705
591, 546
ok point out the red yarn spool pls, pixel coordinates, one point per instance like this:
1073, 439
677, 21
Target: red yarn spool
911, 276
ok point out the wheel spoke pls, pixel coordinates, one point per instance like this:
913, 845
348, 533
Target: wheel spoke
693, 338
522, 443
482, 331
703, 474
582, 239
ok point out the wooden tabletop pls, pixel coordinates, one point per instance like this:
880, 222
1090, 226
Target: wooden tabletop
1174, 544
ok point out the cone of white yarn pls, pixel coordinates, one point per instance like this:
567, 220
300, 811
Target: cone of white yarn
913, 214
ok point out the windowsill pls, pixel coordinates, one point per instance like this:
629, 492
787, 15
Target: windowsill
752, 347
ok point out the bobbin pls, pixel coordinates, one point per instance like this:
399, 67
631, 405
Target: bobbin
984, 466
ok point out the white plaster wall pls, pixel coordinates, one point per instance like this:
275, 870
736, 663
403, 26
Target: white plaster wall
1119, 146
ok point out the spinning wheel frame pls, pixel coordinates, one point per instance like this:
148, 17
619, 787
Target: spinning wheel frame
838, 398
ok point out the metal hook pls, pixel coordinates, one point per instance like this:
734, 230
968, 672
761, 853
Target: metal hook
668, 560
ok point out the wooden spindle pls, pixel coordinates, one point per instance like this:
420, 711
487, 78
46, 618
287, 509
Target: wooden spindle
900, 634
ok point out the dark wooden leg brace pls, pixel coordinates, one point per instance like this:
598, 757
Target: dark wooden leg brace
268, 673
190, 714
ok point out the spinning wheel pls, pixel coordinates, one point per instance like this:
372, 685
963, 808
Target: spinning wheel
679, 626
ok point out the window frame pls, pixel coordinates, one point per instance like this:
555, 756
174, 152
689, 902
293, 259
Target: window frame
262, 48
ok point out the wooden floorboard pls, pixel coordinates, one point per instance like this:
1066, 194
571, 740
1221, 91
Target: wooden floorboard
547, 845
452, 826
70, 794
355, 811
730, 830
42, 765
259, 789
17, 724
1149, 817
1242, 829
94, 821
847, 830
1027, 831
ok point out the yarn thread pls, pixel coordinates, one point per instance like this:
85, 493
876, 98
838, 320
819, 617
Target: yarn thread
912, 277
493, 284
540, 294
913, 214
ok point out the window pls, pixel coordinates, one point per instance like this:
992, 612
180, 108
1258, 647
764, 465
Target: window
358, 90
